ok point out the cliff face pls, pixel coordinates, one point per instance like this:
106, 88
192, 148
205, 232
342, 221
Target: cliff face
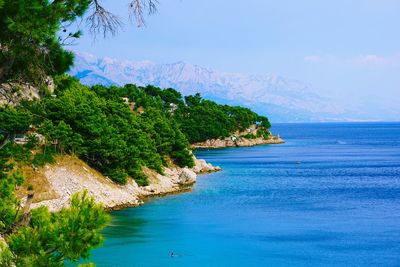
219, 143
70, 175
13, 94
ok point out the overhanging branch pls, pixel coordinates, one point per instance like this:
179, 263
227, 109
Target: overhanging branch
102, 21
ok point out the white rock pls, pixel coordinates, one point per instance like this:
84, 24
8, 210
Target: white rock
66, 179
187, 177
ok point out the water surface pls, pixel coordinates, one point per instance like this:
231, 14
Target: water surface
330, 196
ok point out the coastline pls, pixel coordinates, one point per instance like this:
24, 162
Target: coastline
239, 142
70, 175
256, 190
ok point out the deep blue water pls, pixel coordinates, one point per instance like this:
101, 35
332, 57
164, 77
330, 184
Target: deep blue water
330, 196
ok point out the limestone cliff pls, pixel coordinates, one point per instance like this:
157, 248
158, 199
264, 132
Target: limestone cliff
238, 142
14, 93
70, 175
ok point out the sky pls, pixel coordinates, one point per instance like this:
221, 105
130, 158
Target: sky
346, 50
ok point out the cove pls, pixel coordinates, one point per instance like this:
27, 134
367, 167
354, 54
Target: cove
329, 196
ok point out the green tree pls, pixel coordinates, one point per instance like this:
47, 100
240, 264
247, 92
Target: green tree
9, 202
202, 119
169, 140
33, 33
170, 95
40, 238
30, 49
13, 121
112, 138
193, 100
264, 122
51, 238
62, 136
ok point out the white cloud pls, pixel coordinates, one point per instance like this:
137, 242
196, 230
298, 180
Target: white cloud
369, 60
312, 58
376, 60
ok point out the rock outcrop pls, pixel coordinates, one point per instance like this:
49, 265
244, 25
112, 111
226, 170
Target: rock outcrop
239, 142
187, 177
70, 175
201, 166
14, 93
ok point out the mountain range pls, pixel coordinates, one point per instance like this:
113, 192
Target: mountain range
281, 99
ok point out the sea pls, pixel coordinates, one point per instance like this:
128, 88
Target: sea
329, 196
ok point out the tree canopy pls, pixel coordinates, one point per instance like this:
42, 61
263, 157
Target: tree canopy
34, 32
13, 121
40, 238
110, 135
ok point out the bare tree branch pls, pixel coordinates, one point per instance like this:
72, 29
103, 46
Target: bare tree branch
138, 8
102, 21
153, 6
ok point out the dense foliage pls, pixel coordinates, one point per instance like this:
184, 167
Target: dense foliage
150, 128
34, 32
30, 49
199, 119
37, 237
203, 119
106, 133
40, 238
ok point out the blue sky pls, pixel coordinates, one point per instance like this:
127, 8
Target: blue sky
347, 50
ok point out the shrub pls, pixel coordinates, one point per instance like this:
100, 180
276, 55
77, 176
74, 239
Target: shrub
43, 158
249, 136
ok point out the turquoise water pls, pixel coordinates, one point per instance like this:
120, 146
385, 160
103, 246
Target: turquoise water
330, 196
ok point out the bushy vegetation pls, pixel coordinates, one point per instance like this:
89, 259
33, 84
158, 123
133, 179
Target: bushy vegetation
34, 32
152, 128
249, 136
104, 131
40, 238
37, 237
199, 119
203, 119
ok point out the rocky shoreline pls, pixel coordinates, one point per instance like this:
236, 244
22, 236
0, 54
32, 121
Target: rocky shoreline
239, 142
70, 175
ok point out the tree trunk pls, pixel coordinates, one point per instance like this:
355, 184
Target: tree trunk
5, 67
26, 216
5, 141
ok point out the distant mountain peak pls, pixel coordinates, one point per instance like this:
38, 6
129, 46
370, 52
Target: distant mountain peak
275, 96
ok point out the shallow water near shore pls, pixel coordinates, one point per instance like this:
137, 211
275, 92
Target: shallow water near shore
329, 196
